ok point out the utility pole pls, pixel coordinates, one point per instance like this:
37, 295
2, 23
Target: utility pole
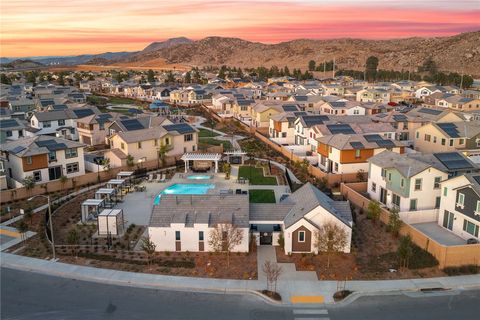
333, 69
461, 82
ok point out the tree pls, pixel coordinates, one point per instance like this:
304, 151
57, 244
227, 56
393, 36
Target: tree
63, 181
130, 161
22, 229
28, 214
170, 77
4, 79
151, 76
148, 246
429, 66
224, 238
330, 238
272, 272
72, 239
361, 175
227, 168
394, 222
105, 163
162, 154
311, 65
29, 184
405, 251
373, 211
371, 66
188, 77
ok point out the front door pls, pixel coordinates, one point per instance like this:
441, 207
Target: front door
383, 195
448, 218
265, 238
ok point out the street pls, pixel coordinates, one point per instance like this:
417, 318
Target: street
26, 295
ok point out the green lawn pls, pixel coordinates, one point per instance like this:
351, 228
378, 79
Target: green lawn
207, 142
206, 133
262, 196
255, 176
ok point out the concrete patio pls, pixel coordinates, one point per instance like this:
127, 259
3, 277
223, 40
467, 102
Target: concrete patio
439, 234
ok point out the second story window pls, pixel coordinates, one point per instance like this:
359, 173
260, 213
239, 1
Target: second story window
357, 153
9, 133
71, 153
52, 156
122, 146
436, 183
139, 145
461, 200
29, 160
188, 137
61, 122
418, 184
177, 235
47, 124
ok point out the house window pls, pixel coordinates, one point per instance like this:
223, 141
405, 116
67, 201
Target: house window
443, 142
29, 160
470, 228
389, 177
200, 236
122, 146
52, 156
155, 142
427, 137
301, 236
37, 176
139, 145
374, 187
9, 133
417, 134
71, 153
437, 202
357, 153
336, 167
444, 191
461, 141
61, 122
72, 167
461, 199
396, 201
167, 140
451, 142
402, 182
384, 173
188, 137
436, 183
434, 139
47, 124
177, 235
413, 204
418, 184
55, 173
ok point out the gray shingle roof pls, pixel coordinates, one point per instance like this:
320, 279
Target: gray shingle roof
36, 145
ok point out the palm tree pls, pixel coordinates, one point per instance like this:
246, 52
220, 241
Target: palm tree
130, 161
162, 154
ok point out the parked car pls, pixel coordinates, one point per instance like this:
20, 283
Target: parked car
472, 241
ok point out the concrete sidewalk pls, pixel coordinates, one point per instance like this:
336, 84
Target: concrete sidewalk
286, 287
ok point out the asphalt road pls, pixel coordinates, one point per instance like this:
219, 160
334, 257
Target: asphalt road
27, 295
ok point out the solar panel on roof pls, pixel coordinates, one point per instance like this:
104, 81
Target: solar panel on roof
453, 160
8, 123
56, 146
18, 149
82, 113
400, 117
357, 145
385, 143
132, 124
430, 111
180, 128
450, 129
313, 120
290, 108
372, 137
45, 143
477, 178
340, 128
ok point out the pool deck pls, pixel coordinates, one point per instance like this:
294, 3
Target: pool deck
137, 206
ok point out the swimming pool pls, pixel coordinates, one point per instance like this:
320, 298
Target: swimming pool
199, 177
185, 188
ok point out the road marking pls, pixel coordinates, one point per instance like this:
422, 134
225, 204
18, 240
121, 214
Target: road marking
10, 233
307, 299
310, 311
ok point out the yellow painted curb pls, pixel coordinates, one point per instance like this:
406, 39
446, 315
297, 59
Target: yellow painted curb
307, 299
10, 233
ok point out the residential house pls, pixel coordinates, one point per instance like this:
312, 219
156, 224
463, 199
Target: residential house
11, 129
373, 95
460, 206
44, 158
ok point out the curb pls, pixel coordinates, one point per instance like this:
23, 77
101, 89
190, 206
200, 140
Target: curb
127, 283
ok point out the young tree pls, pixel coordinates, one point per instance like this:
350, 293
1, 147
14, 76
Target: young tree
188, 77
162, 153
227, 168
151, 76
22, 229
63, 181
224, 238
371, 66
29, 184
330, 238
272, 271
361, 175
373, 211
148, 246
28, 214
72, 239
405, 251
311, 65
394, 222
130, 161
105, 164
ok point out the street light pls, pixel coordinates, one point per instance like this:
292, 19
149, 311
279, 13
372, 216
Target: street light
49, 220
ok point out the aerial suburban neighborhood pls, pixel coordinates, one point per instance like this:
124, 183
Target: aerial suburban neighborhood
308, 183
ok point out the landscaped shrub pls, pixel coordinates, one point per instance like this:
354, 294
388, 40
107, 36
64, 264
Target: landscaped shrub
163, 263
468, 269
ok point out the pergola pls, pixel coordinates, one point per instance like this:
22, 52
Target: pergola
201, 157
91, 208
107, 194
236, 154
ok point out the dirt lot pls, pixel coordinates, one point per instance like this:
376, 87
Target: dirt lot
373, 254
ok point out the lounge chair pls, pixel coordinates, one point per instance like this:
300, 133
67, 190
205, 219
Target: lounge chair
150, 177
159, 178
162, 178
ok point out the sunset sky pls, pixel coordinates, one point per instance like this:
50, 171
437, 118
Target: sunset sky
70, 27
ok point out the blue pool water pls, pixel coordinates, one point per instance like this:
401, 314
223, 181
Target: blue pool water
199, 177
185, 188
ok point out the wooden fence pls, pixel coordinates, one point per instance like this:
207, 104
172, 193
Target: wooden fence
447, 256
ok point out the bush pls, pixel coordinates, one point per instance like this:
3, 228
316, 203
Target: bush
342, 294
456, 271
